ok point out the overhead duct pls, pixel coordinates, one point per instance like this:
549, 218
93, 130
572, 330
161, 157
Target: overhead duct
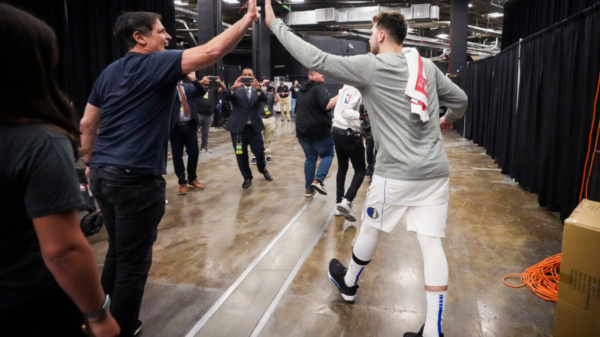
357, 15
193, 15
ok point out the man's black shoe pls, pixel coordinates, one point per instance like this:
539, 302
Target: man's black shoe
269, 160
247, 183
253, 161
267, 175
418, 334
336, 272
138, 328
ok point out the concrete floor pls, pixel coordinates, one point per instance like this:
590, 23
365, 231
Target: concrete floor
232, 262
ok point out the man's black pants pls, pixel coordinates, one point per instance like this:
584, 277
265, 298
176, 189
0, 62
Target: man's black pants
349, 148
255, 140
185, 135
132, 205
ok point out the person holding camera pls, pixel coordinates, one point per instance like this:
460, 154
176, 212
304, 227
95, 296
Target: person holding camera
245, 124
285, 104
349, 146
206, 107
265, 109
295, 92
184, 132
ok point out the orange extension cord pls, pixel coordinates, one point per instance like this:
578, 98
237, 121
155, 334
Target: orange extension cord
585, 181
542, 278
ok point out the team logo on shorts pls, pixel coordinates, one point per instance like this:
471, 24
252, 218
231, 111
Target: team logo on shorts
372, 213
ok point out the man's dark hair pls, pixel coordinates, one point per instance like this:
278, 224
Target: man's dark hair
248, 69
393, 23
130, 22
264, 78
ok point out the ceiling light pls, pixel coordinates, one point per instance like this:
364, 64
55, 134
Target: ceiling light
177, 2
495, 15
442, 36
470, 5
232, 1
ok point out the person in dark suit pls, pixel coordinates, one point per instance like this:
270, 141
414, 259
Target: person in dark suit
245, 125
184, 132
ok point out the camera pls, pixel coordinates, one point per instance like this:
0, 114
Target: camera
365, 125
213, 78
247, 80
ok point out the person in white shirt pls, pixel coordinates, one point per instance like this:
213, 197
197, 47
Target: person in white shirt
349, 147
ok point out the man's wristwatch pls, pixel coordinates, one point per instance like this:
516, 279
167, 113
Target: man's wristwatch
103, 311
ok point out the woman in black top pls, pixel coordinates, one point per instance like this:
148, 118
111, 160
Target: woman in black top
48, 273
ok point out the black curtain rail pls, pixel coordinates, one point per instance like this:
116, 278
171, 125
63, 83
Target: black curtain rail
523, 18
84, 33
532, 107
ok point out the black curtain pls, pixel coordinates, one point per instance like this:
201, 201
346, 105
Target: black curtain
84, 33
525, 17
541, 137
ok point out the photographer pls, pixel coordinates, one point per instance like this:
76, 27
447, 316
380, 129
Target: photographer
206, 107
245, 124
285, 104
265, 109
348, 147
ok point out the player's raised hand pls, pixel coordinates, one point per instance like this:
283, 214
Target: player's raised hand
269, 14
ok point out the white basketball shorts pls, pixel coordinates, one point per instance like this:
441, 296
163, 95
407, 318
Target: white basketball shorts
424, 203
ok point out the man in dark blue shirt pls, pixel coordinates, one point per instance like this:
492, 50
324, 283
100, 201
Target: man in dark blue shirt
125, 130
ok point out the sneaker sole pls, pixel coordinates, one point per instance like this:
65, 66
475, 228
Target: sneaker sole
346, 213
319, 189
182, 193
137, 331
309, 195
197, 189
346, 298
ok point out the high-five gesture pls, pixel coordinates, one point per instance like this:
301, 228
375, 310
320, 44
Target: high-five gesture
209, 53
252, 10
269, 14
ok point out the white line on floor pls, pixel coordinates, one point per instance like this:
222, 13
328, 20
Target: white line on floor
237, 282
486, 169
263, 321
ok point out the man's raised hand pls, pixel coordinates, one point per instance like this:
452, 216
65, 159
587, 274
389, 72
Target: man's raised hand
269, 14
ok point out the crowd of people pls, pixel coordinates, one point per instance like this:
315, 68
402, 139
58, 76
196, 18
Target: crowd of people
141, 102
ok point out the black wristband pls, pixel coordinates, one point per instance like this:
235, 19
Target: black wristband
86, 164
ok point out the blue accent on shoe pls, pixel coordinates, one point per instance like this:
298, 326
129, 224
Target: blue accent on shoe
440, 314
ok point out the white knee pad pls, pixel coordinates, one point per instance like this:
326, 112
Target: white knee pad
364, 249
436, 264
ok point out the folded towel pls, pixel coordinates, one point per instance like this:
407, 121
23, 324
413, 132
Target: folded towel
416, 88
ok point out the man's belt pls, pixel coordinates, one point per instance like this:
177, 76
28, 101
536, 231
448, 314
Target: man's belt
345, 132
184, 123
267, 117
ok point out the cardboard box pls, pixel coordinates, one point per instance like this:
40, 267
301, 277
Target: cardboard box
578, 311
